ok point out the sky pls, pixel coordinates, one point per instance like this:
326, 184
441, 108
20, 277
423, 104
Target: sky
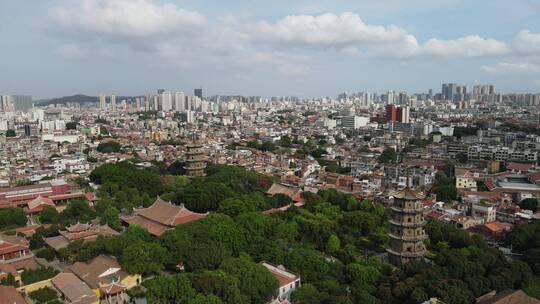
52, 48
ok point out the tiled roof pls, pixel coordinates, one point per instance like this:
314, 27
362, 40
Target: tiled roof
292, 192
408, 194
435, 214
154, 228
162, 216
37, 204
91, 273
75, 290
509, 297
519, 166
10, 295
534, 176
113, 288
281, 274
495, 226
7, 247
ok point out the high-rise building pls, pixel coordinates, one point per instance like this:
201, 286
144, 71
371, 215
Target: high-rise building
449, 90
198, 93
166, 99
402, 114
461, 93
113, 103
403, 98
354, 122
138, 104
180, 102
102, 102
21, 103
190, 101
6, 103
391, 112
390, 97
190, 117
407, 223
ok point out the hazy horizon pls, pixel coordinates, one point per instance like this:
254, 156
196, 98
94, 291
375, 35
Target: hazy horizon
298, 48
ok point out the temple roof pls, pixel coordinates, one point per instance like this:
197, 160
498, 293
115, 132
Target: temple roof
161, 216
168, 214
7, 247
408, 194
38, 201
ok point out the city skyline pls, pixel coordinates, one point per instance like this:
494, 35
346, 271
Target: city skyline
303, 49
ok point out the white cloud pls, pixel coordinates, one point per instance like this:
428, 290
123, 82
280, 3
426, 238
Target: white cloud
162, 28
324, 29
527, 42
349, 34
69, 50
469, 46
126, 18
513, 68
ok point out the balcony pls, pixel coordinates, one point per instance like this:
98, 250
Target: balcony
417, 254
415, 238
407, 210
408, 224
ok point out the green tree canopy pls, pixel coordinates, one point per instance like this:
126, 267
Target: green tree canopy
388, 156
11, 133
110, 146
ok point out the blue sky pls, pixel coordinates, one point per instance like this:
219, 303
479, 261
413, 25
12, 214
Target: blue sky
270, 48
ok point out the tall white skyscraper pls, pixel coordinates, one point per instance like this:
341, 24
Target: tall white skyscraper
190, 117
155, 102
113, 103
180, 102
189, 102
138, 104
166, 101
102, 102
390, 97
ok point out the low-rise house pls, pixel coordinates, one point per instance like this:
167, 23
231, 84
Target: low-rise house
10, 295
288, 281
466, 222
73, 289
7, 269
466, 179
162, 216
11, 252
493, 230
294, 193
86, 232
485, 211
507, 297
105, 277
519, 168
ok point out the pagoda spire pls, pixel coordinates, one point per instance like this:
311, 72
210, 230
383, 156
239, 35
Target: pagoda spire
407, 223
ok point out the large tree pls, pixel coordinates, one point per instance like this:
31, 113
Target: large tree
256, 282
388, 156
144, 258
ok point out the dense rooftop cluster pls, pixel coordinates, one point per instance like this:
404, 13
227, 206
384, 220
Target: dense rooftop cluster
364, 198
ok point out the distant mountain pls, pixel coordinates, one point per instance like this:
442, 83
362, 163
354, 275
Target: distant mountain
80, 99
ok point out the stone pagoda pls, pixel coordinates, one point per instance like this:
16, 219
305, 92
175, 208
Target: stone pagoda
195, 159
407, 222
